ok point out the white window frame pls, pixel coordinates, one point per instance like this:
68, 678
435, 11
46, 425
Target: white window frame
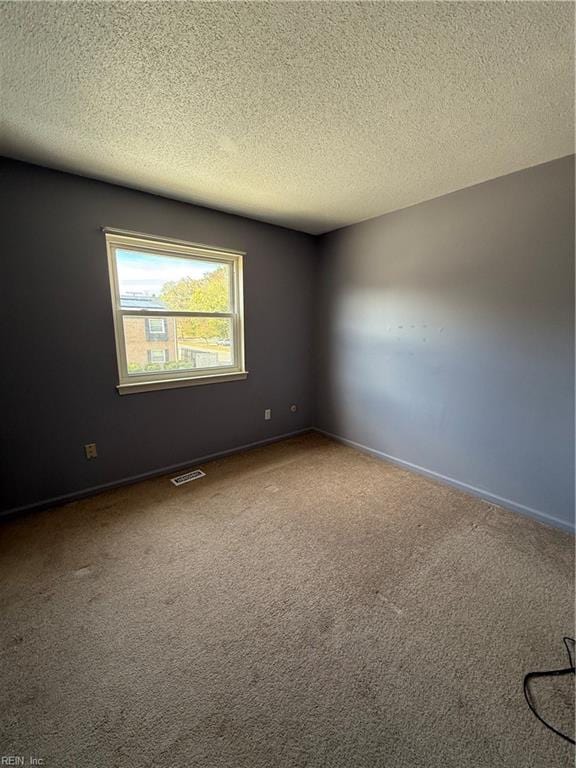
152, 380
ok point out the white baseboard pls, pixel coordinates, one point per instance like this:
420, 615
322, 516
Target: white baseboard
542, 517
84, 493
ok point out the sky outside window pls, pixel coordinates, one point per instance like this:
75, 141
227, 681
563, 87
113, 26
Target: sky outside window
147, 273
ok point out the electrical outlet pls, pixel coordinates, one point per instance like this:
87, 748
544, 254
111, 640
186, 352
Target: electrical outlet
90, 451
267, 414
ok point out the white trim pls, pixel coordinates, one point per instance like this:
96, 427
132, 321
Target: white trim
500, 501
161, 239
162, 313
149, 386
95, 489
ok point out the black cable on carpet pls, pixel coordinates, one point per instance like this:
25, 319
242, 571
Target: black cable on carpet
551, 673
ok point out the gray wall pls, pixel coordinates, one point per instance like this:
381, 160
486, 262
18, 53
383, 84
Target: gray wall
446, 337
443, 338
57, 340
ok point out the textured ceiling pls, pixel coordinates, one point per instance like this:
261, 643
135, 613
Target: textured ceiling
312, 115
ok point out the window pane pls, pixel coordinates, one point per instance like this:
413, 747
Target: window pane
153, 281
186, 344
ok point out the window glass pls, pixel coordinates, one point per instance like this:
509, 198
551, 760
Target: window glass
149, 279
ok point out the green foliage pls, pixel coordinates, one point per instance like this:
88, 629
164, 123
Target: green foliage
173, 365
177, 365
209, 293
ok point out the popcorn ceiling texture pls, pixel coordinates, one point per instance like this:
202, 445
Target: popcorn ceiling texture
310, 115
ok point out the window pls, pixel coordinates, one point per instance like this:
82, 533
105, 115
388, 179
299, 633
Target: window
177, 312
156, 329
158, 355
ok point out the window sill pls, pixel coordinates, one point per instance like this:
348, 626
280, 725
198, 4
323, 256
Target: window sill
193, 381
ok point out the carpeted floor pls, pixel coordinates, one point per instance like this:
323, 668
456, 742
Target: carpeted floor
302, 605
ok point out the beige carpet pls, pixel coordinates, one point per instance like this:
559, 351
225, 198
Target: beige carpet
302, 605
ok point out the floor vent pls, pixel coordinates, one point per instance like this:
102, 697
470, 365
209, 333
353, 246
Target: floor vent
181, 479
